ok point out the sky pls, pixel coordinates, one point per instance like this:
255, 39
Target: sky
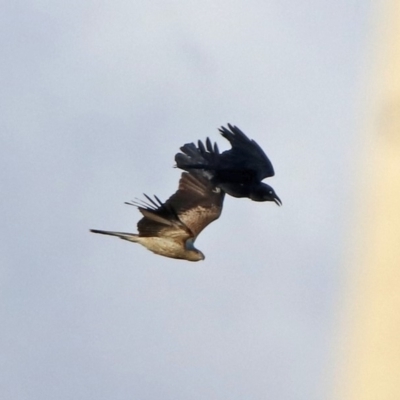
96, 99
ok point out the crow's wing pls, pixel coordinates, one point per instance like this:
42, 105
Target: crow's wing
202, 156
245, 154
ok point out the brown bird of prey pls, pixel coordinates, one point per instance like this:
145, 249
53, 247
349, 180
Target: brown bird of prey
171, 228
238, 171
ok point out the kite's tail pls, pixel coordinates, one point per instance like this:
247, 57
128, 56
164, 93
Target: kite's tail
132, 237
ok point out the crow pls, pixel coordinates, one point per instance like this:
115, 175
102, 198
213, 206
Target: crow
237, 171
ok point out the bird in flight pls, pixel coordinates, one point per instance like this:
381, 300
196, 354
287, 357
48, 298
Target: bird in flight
171, 228
238, 171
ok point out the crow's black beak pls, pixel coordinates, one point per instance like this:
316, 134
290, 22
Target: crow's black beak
277, 200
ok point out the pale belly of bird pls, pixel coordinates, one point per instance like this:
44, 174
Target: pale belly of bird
168, 248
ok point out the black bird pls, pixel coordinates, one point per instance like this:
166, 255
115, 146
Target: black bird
170, 229
238, 171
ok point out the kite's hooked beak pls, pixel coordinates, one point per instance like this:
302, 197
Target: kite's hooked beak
277, 200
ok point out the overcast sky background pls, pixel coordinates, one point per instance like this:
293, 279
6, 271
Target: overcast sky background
97, 97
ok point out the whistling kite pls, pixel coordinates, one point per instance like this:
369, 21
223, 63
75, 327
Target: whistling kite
238, 171
171, 228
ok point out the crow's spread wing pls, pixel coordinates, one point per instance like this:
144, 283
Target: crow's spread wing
202, 156
245, 154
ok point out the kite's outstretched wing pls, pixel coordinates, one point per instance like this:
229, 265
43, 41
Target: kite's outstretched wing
195, 204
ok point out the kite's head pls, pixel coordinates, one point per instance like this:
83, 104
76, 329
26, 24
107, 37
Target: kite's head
195, 255
191, 253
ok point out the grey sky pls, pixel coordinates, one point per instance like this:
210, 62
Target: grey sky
97, 97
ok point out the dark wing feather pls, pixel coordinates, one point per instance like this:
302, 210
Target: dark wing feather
245, 154
159, 220
198, 158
